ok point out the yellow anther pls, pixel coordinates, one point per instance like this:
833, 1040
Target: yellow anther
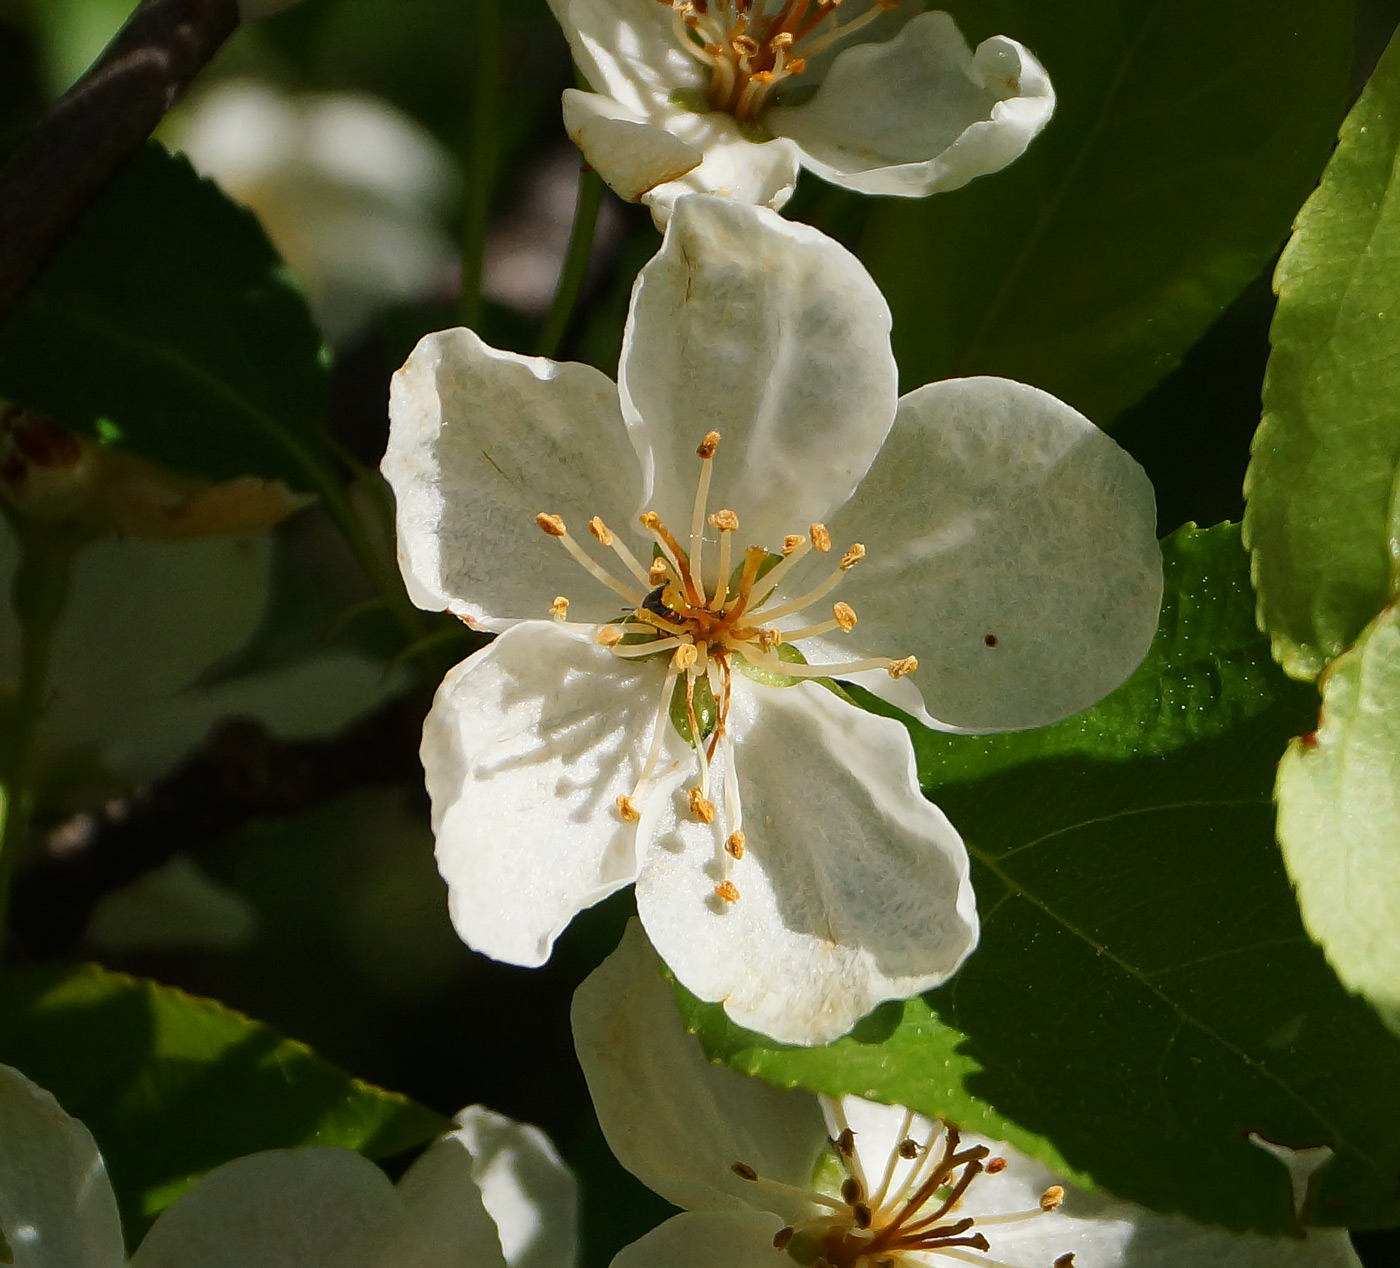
608, 636
745, 45
769, 639
735, 844
1052, 1197
728, 891
600, 531
550, 524
701, 806
659, 571
795, 65
559, 609
852, 557
708, 445
627, 808
845, 616
821, 539
649, 519
725, 521
685, 656
791, 542
898, 668
995, 1165
783, 39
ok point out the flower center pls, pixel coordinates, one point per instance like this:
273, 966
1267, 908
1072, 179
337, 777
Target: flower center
751, 46
705, 621
910, 1209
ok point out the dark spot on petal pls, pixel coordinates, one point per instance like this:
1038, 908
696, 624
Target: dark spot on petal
990, 640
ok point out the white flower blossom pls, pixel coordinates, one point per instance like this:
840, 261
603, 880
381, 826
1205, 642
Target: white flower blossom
787, 864
847, 1183
732, 96
492, 1193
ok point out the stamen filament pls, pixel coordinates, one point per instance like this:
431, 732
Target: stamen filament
581, 556
794, 669
773, 578
878, 1197
819, 591
706, 454
630, 651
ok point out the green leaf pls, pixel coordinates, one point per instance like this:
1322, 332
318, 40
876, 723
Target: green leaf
168, 325
1339, 816
171, 1085
1323, 489
1185, 136
1144, 995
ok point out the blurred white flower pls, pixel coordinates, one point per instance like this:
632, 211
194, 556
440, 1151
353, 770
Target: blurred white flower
785, 861
732, 96
492, 1193
351, 191
848, 1183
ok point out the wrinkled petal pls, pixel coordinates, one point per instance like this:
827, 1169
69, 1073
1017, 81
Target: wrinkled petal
1011, 546
674, 1120
776, 337
480, 441
530, 1194
632, 155
627, 50
762, 173
56, 1203
729, 1239
527, 746
853, 889
284, 1208
921, 112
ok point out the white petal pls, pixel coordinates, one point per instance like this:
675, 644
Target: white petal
1162, 1242
480, 441
763, 173
56, 1204
771, 334
997, 512
627, 50
526, 749
285, 1208
921, 112
632, 155
445, 1223
530, 1194
674, 1120
854, 889
731, 1239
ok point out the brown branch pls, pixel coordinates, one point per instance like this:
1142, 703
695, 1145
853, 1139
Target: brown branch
77, 147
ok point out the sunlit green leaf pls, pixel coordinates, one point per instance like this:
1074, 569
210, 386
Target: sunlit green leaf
172, 1085
1144, 995
1187, 133
1322, 514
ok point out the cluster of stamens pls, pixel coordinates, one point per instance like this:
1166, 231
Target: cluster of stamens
877, 1219
751, 46
702, 626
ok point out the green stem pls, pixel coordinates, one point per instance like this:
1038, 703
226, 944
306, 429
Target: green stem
575, 270
481, 175
40, 592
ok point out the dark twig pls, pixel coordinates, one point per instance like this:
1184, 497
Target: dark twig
74, 150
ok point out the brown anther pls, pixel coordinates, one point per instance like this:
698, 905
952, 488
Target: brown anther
995, 1165
627, 808
845, 1143
608, 636
600, 531
845, 616
1052, 1197
821, 539
852, 557
898, 668
550, 524
735, 845
1065, 1261
791, 542
728, 891
795, 65
701, 806
851, 1192
725, 521
861, 1214
769, 639
708, 445
685, 656
782, 1237
744, 1171
658, 572
559, 609
908, 1149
